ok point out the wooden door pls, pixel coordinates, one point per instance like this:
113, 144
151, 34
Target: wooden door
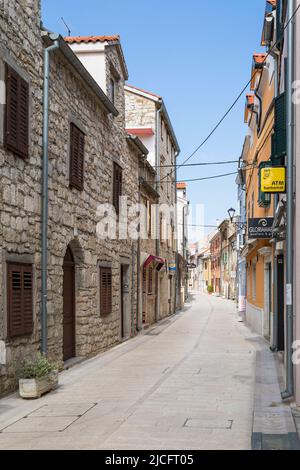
69, 349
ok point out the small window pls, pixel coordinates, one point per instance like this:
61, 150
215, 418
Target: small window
77, 143
162, 129
16, 114
105, 291
20, 300
117, 187
150, 281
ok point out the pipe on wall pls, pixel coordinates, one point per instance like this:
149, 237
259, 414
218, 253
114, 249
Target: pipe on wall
158, 175
289, 392
45, 199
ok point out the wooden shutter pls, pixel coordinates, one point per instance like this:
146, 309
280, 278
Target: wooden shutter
20, 301
77, 141
117, 187
105, 291
17, 113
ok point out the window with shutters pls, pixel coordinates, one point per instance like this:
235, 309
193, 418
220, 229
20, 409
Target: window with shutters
16, 113
105, 291
117, 187
77, 142
20, 300
279, 138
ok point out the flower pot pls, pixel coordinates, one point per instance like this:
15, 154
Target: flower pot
35, 388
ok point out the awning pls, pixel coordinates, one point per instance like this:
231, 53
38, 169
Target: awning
155, 262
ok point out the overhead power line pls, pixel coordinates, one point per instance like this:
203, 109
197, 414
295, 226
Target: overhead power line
238, 97
198, 164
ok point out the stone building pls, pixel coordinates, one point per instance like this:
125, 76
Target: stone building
215, 250
147, 118
92, 278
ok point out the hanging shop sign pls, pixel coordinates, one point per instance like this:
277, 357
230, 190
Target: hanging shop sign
273, 180
172, 267
260, 228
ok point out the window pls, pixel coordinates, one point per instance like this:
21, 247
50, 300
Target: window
20, 301
112, 90
105, 291
150, 281
16, 114
117, 187
252, 205
162, 129
77, 141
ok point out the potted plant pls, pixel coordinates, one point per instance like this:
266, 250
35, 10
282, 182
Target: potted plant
210, 290
37, 377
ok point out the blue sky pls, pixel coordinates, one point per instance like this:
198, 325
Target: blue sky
197, 55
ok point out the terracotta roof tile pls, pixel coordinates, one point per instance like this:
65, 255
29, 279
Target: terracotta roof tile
181, 185
250, 99
94, 39
259, 58
272, 2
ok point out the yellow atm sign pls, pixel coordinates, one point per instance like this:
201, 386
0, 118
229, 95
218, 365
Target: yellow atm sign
273, 180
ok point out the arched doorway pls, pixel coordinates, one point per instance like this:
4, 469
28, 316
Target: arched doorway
69, 346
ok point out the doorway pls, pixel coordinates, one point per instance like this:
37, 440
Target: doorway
269, 281
280, 302
69, 343
125, 301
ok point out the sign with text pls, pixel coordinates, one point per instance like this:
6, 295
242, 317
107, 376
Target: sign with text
273, 180
260, 228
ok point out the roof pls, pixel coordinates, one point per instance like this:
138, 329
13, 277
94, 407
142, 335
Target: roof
145, 91
259, 58
250, 99
80, 39
181, 185
140, 131
113, 40
73, 60
272, 2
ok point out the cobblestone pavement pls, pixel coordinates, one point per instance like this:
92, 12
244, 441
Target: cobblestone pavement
186, 384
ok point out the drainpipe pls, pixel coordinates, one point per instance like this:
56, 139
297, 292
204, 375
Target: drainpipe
176, 237
44, 228
274, 346
289, 392
138, 274
158, 177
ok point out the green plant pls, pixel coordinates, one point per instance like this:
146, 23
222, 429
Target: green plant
210, 289
37, 368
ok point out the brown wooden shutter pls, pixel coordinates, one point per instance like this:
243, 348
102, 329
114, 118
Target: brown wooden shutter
117, 187
17, 113
20, 301
77, 140
105, 291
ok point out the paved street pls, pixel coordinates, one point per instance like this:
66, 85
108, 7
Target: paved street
186, 384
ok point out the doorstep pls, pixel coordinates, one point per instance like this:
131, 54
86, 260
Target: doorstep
74, 361
273, 424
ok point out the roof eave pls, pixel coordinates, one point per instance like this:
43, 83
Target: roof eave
73, 60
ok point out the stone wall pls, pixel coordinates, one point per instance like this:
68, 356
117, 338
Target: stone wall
142, 112
20, 47
72, 214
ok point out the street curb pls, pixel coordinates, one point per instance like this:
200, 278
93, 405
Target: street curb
273, 423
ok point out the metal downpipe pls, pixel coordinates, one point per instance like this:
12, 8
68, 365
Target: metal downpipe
44, 228
289, 392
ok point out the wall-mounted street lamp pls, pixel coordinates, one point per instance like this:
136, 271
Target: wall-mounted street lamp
235, 220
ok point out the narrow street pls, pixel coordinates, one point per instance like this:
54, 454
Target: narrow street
186, 384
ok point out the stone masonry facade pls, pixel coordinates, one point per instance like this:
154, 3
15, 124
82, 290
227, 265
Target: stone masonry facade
72, 213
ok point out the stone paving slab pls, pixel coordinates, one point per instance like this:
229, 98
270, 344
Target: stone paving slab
189, 387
